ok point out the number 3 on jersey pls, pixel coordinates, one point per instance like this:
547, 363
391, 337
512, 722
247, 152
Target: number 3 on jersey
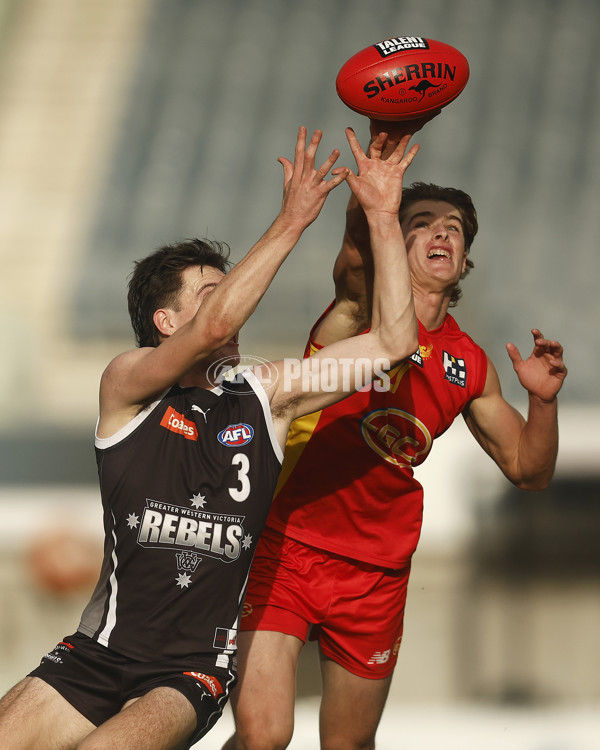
239, 494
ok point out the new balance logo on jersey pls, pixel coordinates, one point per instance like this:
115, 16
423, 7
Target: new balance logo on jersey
455, 369
176, 422
236, 435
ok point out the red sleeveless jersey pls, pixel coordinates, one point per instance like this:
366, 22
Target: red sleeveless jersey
347, 483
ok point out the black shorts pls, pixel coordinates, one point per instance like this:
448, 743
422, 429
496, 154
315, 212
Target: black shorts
98, 682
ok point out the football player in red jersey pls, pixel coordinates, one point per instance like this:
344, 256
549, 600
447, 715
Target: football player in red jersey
334, 560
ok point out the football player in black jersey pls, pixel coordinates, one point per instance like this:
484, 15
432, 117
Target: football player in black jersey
104, 686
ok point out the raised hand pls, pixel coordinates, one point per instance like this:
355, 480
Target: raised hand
304, 187
397, 129
543, 372
378, 185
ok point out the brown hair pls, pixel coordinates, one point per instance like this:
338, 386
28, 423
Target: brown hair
156, 281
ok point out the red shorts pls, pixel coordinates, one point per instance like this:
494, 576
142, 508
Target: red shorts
355, 610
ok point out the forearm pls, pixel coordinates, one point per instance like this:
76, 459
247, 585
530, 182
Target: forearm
353, 268
393, 316
235, 298
538, 446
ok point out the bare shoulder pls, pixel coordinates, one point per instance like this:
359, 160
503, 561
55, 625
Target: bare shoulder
119, 369
119, 399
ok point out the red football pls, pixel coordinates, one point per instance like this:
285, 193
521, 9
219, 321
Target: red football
402, 78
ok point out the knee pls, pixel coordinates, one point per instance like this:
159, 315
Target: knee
257, 734
341, 741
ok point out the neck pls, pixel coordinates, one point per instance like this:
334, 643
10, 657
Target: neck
196, 378
431, 307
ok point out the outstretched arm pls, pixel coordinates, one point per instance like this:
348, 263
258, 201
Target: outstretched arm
525, 450
353, 268
331, 373
135, 377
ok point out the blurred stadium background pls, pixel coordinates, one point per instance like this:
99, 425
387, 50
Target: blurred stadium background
124, 125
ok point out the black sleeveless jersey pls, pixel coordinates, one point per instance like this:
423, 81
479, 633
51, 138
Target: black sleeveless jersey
186, 487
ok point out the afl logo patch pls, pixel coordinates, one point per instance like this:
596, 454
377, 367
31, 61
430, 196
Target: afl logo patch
236, 435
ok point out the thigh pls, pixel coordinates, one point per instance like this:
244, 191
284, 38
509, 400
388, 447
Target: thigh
278, 597
263, 700
163, 719
206, 689
34, 714
351, 708
363, 628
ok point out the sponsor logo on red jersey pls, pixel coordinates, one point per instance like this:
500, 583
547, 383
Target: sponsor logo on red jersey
236, 435
176, 422
456, 370
206, 679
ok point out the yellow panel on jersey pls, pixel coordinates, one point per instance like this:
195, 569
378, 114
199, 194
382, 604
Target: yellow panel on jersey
299, 434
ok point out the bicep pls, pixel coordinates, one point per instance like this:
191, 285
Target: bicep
494, 423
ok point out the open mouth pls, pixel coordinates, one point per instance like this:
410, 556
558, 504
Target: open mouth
439, 252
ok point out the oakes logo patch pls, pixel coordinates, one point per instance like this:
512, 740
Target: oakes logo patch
236, 435
176, 422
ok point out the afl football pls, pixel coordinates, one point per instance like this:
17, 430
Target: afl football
403, 78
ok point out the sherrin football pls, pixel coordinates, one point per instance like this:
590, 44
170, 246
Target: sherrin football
402, 78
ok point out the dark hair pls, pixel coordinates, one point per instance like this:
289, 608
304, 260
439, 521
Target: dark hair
424, 191
156, 281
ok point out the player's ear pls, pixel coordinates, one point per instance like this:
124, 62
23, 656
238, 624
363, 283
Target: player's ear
164, 322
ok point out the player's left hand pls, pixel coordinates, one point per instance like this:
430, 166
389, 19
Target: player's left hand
543, 372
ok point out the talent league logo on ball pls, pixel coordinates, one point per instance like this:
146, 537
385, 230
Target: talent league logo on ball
236, 435
456, 370
389, 46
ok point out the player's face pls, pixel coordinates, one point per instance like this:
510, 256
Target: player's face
197, 283
435, 242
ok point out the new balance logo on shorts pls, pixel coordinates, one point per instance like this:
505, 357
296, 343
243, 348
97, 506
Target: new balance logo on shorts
380, 657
